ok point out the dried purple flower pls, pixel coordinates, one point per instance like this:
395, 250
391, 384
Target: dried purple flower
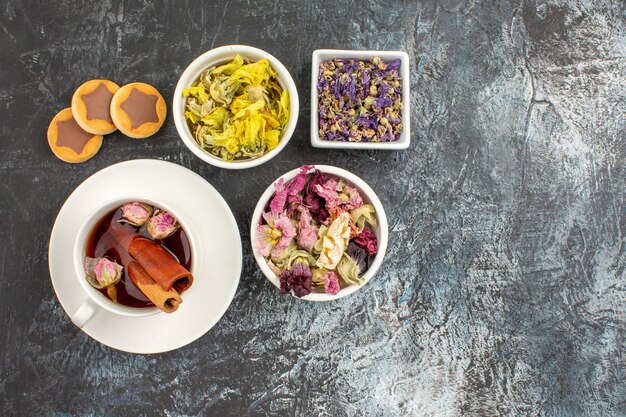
360, 101
298, 280
359, 255
311, 200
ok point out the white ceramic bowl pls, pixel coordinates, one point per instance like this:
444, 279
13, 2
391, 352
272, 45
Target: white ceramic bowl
222, 55
369, 196
320, 55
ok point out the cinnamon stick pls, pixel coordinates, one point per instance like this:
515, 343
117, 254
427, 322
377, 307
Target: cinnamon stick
167, 301
160, 265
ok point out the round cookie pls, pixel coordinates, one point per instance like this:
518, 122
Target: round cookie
91, 106
138, 110
68, 141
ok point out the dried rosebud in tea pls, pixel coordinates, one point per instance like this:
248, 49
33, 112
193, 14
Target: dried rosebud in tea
102, 272
161, 225
136, 214
360, 101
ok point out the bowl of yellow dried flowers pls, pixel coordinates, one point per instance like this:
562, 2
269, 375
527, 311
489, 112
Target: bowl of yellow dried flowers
235, 106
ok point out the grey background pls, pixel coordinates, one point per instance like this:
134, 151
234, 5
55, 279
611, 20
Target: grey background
503, 289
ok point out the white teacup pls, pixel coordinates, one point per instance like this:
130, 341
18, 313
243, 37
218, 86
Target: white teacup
95, 299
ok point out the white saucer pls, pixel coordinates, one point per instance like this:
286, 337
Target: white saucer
218, 261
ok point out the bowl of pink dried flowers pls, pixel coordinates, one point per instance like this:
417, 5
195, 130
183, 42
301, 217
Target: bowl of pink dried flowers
319, 233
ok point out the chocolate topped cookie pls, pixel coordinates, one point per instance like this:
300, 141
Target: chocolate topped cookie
68, 141
138, 110
91, 106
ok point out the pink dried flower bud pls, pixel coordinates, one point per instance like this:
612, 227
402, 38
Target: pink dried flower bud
161, 225
136, 213
102, 272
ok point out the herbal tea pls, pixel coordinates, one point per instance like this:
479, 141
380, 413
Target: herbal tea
138, 256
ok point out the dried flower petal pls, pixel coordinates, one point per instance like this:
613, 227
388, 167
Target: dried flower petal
368, 241
359, 255
336, 212
297, 280
319, 277
312, 200
286, 193
338, 193
102, 272
348, 270
332, 283
281, 257
277, 205
322, 278
275, 236
362, 215
353, 265
161, 225
275, 268
333, 243
301, 256
307, 232
267, 237
288, 232
136, 214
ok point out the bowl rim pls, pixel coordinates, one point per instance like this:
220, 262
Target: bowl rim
368, 193
405, 137
210, 58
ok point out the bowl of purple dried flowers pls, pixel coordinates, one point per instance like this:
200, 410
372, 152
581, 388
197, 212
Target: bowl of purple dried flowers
360, 99
319, 233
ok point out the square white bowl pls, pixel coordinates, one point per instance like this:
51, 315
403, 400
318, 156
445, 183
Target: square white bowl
320, 55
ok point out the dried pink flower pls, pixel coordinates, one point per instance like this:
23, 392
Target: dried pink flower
161, 225
275, 236
307, 232
135, 213
368, 241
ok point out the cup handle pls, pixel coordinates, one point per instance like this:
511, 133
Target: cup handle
84, 313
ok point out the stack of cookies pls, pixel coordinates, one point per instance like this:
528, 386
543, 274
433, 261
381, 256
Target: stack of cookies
100, 107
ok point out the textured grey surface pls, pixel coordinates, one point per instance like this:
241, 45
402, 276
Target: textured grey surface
503, 290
